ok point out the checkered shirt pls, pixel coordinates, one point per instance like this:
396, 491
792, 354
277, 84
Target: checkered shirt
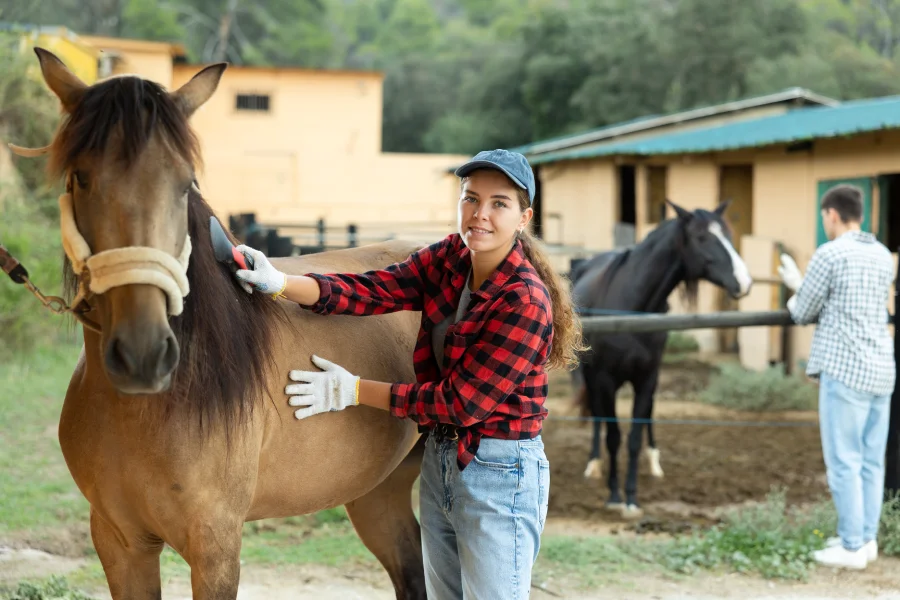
846, 287
492, 381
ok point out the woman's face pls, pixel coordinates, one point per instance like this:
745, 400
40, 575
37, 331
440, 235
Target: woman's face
489, 211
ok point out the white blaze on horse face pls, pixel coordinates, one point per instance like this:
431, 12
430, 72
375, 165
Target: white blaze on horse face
741, 273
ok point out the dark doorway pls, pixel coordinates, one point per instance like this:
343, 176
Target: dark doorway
889, 211
537, 221
627, 197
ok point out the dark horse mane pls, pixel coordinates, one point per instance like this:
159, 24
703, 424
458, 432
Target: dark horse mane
225, 335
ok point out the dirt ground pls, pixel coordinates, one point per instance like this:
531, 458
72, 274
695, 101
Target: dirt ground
879, 582
706, 467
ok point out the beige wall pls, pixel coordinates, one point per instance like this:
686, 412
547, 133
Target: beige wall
316, 154
150, 60
579, 206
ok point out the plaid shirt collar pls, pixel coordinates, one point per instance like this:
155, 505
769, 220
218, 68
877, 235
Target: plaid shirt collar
460, 263
858, 236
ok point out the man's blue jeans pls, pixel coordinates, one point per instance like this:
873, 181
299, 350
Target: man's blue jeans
854, 428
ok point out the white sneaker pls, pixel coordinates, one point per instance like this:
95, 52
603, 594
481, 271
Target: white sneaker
838, 556
871, 547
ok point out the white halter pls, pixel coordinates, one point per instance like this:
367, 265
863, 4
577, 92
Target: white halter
123, 266
101, 272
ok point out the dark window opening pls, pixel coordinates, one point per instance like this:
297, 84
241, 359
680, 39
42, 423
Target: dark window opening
253, 102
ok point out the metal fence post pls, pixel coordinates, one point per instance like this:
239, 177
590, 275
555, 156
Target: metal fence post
352, 239
320, 233
892, 452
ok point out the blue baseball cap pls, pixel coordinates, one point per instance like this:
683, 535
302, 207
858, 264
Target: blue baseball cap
512, 164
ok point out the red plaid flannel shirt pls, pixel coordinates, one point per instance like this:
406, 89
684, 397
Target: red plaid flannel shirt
492, 382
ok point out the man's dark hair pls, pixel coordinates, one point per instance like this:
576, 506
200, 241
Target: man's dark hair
846, 200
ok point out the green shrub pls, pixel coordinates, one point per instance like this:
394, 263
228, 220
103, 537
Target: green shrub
889, 528
769, 539
55, 588
769, 390
681, 343
35, 241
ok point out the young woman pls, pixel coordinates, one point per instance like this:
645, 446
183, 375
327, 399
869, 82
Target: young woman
495, 316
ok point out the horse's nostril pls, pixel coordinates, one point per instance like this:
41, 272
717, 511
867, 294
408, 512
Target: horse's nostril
167, 359
118, 358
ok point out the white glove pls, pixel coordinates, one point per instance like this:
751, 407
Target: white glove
791, 303
264, 277
333, 388
790, 273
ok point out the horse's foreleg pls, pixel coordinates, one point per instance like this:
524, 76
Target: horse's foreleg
386, 524
131, 563
213, 551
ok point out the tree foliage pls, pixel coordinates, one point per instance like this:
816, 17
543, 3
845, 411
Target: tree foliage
461, 75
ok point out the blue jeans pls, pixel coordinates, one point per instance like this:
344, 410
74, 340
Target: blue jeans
854, 428
481, 528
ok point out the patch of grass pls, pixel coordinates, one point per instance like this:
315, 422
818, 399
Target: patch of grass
54, 588
587, 562
325, 538
769, 390
681, 343
769, 539
36, 489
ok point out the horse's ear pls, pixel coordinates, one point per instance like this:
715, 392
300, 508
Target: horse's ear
65, 84
193, 94
722, 207
682, 213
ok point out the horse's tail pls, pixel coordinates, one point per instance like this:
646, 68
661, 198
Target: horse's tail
580, 401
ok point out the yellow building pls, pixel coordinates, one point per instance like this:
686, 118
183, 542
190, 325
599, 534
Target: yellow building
774, 158
290, 145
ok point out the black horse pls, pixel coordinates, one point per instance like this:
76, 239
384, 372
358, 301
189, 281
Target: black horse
692, 247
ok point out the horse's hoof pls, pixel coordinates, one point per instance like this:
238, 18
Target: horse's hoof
594, 469
632, 511
653, 459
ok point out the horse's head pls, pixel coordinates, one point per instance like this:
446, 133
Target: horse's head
128, 156
708, 251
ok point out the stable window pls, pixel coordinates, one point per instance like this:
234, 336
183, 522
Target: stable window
258, 102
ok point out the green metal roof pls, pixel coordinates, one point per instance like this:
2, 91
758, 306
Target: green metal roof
795, 96
797, 125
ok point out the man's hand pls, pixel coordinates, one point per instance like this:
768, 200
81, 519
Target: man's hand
790, 273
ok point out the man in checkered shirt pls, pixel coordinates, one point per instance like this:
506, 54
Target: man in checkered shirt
846, 289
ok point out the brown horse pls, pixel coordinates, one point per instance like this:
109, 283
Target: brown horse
175, 425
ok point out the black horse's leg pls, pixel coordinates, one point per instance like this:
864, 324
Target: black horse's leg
606, 388
642, 412
594, 468
652, 450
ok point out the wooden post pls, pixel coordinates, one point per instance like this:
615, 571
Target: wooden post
320, 234
892, 452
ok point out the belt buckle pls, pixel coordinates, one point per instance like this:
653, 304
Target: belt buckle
446, 433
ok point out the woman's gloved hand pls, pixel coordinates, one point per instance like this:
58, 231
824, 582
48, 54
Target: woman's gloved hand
333, 388
264, 277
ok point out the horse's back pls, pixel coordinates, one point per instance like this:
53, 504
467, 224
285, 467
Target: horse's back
349, 260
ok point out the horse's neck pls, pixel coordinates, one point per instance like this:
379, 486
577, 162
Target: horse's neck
653, 270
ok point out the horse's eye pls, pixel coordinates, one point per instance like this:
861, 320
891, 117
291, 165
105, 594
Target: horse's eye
81, 179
